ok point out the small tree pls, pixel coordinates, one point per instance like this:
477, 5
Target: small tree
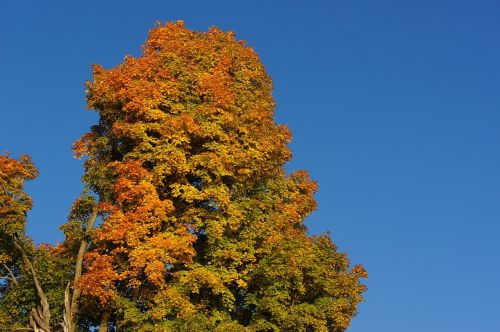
16, 249
37, 283
202, 227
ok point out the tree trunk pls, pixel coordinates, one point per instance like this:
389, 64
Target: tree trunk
71, 298
103, 325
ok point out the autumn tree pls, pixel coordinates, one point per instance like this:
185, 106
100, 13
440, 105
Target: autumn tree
14, 205
31, 276
37, 282
201, 227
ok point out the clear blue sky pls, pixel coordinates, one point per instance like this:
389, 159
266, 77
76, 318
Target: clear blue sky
395, 110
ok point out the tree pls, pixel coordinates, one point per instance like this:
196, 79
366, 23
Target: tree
32, 288
14, 205
202, 227
188, 220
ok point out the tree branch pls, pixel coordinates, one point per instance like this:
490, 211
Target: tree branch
7, 277
71, 298
12, 276
42, 316
79, 257
37, 320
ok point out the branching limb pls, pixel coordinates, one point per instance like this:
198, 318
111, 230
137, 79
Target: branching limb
8, 277
11, 275
71, 298
40, 317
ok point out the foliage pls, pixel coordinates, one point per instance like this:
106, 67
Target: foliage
14, 202
15, 300
199, 227
18, 293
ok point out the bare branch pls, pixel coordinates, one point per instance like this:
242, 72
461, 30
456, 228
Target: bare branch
67, 315
38, 321
7, 278
12, 276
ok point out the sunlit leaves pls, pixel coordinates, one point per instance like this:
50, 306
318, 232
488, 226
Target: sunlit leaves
201, 226
14, 202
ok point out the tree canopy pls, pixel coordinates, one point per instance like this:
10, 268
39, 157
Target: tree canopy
189, 220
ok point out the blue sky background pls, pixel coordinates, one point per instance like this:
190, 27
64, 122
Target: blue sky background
394, 106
